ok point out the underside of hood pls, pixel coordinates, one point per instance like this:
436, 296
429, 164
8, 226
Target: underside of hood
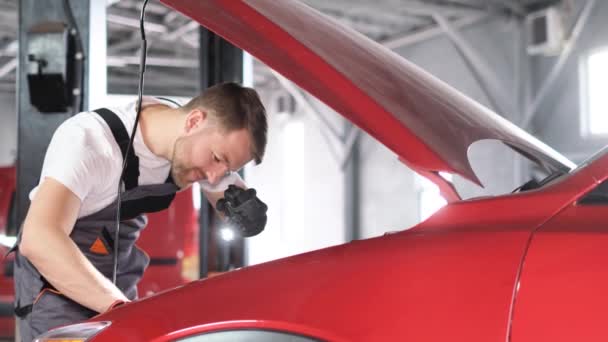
426, 122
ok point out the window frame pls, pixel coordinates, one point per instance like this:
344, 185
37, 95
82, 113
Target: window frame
584, 94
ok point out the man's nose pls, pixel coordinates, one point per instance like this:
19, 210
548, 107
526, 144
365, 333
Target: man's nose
216, 175
212, 177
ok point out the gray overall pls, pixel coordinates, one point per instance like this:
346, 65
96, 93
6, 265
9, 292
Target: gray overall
38, 305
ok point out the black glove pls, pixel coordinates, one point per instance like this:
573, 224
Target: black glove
243, 209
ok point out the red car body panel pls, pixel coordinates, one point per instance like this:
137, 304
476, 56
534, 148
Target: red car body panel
420, 118
170, 236
563, 293
7, 188
398, 287
7, 289
472, 272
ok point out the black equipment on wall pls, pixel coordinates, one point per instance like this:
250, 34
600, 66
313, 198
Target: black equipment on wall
55, 70
35, 129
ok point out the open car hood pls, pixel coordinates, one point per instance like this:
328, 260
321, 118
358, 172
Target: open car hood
426, 122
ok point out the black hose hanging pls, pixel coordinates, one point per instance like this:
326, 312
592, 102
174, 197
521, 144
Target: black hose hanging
142, 69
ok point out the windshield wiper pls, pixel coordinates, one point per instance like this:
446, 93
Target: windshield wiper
534, 184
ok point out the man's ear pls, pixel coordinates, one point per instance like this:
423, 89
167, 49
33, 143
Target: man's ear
195, 119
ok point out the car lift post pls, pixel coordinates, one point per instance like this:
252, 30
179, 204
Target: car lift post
220, 62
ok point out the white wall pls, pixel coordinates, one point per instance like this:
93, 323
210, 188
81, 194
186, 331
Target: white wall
303, 186
558, 121
8, 129
389, 191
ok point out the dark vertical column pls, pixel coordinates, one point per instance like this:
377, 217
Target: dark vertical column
351, 191
35, 129
220, 62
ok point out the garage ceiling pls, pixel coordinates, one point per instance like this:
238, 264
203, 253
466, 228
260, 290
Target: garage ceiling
173, 39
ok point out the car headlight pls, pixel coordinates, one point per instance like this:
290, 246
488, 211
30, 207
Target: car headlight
81, 332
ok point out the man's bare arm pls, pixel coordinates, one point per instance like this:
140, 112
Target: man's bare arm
47, 244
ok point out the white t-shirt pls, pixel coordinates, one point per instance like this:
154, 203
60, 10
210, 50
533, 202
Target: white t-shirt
83, 156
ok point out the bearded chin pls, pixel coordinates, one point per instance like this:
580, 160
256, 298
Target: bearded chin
177, 175
176, 168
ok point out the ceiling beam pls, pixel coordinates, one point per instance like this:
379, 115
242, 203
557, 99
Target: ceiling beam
134, 22
171, 62
10, 49
385, 16
180, 31
406, 39
428, 9
131, 42
8, 67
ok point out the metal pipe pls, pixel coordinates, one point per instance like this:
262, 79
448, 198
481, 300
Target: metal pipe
349, 145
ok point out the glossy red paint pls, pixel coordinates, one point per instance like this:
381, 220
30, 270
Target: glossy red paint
171, 241
7, 188
562, 296
453, 277
398, 287
562, 292
420, 118
7, 323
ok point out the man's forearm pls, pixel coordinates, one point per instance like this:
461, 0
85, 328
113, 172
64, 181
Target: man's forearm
68, 270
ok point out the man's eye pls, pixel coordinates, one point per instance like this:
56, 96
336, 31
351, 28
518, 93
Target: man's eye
216, 159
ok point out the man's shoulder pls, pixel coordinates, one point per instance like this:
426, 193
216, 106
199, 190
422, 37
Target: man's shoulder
83, 121
87, 130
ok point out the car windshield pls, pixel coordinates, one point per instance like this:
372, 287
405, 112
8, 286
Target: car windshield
599, 194
501, 170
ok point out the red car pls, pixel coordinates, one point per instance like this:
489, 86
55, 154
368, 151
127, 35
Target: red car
7, 190
526, 266
171, 241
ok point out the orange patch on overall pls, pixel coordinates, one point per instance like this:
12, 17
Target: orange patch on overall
98, 247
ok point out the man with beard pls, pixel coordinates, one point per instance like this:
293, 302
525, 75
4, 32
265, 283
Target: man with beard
65, 265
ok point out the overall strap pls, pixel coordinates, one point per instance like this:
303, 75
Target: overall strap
131, 174
149, 204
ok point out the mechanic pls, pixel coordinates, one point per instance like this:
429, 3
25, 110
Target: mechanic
64, 259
